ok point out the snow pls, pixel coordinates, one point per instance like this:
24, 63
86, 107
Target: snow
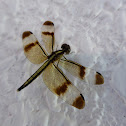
96, 32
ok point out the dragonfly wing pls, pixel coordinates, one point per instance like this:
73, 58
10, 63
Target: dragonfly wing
48, 36
32, 49
57, 82
89, 75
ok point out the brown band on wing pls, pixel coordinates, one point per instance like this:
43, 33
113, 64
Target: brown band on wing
79, 102
29, 46
99, 78
82, 72
48, 33
48, 23
62, 89
26, 34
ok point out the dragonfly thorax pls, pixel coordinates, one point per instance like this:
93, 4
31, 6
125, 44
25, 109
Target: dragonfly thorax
56, 55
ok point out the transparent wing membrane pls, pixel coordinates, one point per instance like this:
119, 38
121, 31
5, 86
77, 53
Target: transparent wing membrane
58, 83
48, 35
82, 72
32, 49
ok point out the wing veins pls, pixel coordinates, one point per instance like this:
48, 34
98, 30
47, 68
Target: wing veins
52, 42
60, 72
71, 62
42, 49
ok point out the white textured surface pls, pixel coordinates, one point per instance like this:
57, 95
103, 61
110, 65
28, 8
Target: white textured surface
96, 32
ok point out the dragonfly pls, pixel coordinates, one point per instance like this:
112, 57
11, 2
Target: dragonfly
52, 75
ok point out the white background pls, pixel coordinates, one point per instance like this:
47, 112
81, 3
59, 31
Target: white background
96, 32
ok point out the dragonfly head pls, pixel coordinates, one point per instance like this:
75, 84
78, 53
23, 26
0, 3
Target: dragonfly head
66, 48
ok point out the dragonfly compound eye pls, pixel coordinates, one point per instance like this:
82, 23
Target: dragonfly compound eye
66, 48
